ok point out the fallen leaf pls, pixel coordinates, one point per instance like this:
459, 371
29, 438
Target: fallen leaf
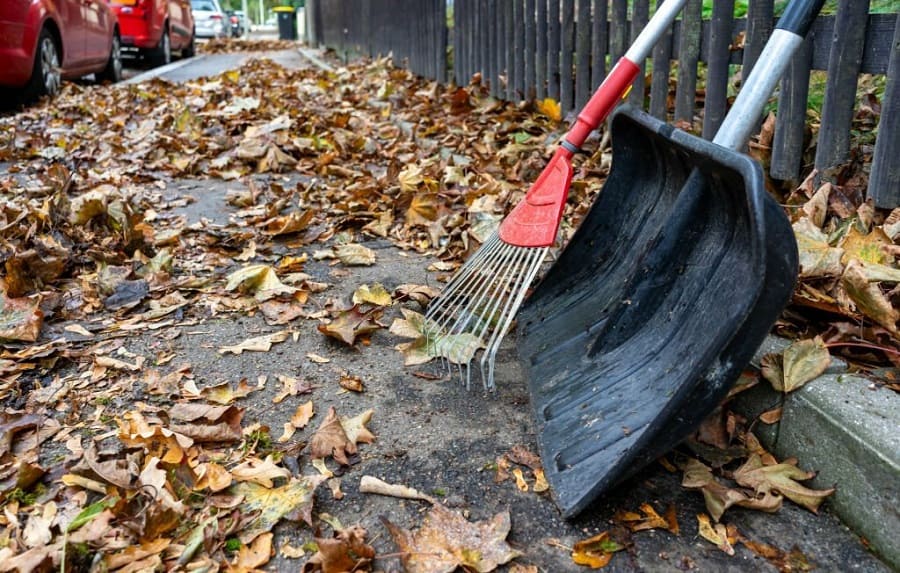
264, 472
549, 107
351, 383
20, 318
595, 552
868, 297
351, 323
780, 479
446, 541
346, 551
292, 501
803, 361
258, 280
355, 255
375, 294
717, 535
256, 554
257, 344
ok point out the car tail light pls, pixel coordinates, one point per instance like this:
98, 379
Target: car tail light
215, 16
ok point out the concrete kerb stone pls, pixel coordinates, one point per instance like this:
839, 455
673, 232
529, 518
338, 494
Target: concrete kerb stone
848, 430
313, 57
156, 72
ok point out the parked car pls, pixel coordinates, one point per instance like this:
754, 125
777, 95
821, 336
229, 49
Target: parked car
45, 41
237, 21
156, 27
209, 19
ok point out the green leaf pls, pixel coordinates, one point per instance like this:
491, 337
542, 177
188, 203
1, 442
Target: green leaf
90, 512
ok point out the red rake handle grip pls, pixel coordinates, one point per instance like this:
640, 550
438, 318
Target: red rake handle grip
613, 89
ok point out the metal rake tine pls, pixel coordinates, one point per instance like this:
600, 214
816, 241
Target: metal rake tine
485, 285
501, 295
494, 346
468, 268
520, 266
475, 281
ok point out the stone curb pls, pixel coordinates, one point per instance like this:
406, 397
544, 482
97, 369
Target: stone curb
846, 429
156, 72
313, 57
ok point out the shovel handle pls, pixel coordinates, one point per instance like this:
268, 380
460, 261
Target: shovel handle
789, 33
617, 84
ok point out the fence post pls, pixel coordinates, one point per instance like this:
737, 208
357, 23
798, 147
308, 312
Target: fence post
688, 54
583, 53
510, 31
659, 86
540, 64
567, 32
518, 71
717, 58
847, 45
640, 14
618, 35
790, 124
530, 56
553, 49
599, 43
884, 179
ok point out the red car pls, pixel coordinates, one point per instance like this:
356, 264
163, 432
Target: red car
45, 41
156, 27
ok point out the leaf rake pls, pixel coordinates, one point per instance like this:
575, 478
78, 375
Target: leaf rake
484, 296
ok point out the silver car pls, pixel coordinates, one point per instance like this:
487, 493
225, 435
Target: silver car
209, 19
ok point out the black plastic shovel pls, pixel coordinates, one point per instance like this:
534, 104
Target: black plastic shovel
664, 293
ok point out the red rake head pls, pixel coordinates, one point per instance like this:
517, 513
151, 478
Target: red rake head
534, 221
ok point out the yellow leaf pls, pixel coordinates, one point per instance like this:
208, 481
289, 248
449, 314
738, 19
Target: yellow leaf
551, 108
596, 551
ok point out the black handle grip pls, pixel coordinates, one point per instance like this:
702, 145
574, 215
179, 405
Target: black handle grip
799, 16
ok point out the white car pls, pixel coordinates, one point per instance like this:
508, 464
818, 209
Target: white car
209, 19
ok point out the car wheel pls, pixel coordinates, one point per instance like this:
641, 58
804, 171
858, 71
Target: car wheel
162, 54
191, 49
45, 75
113, 70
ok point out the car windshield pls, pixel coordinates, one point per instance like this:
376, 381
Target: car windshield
204, 5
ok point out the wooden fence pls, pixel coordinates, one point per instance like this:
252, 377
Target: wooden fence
563, 48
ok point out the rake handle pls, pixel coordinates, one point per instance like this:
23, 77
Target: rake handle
617, 84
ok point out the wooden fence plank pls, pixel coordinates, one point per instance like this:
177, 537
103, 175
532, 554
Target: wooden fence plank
659, 86
499, 42
509, 32
441, 22
715, 103
518, 71
884, 179
567, 32
833, 146
553, 49
688, 53
618, 33
540, 65
583, 53
760, 15
790, 123
599, 42
640, 16
530, 46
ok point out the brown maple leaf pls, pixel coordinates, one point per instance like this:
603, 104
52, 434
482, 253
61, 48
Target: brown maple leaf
346, 551
447, 541
338, 438
350, 323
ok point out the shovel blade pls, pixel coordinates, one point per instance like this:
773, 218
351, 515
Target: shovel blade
654, 308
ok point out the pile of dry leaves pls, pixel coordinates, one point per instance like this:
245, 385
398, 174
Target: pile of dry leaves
92, 253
